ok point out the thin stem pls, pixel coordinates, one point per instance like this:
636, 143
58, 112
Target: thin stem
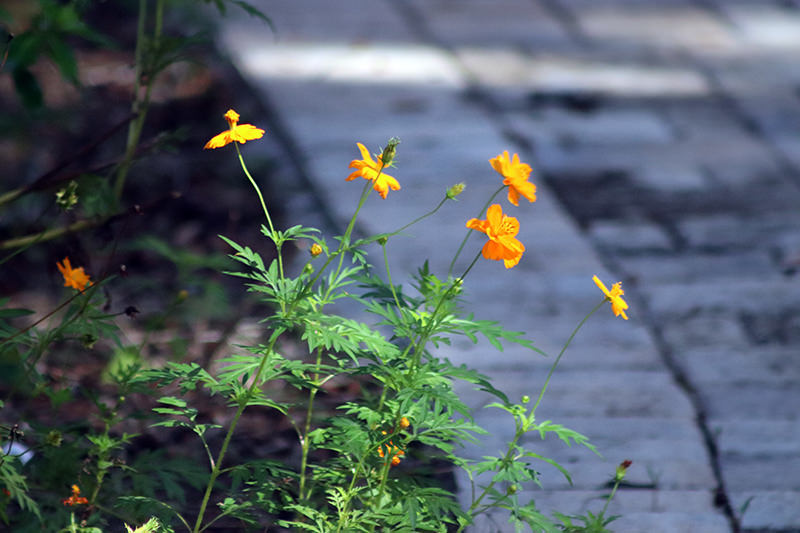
139, 106
389, 275
508, 458
418, 219
344, 245
90, 289
419, 345
278, 242
610, 496
46, 180
256, 187
560, 354
304, 442
469, 231
520, 429
51, 234
217, 468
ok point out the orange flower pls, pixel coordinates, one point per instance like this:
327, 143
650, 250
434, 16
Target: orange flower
76, 498
73, 277
502, 231
240, 133
393, 451
369, 169
618, 305
516, 177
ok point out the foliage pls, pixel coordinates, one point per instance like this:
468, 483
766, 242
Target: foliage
362, 463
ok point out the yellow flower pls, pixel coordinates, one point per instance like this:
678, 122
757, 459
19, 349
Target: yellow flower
368, 169
502, 231
240, 133
73, 277
618, 305
315, 250
516, 177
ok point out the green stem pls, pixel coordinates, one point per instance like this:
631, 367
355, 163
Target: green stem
419, 345
344, 245
418, 219
520, 429
389, 275
217, 466
469, 231
508, 458
51, 234
139, 107
304, 442
278, 242
610, 497
343, 514
560, 354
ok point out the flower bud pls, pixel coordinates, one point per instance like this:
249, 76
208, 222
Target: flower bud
54, 438
67, 198
404, 423
455, 190
315, 250
382, 240
389, 152
619, 475
526, 399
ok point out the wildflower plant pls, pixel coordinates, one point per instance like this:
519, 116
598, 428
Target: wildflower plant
359, 467
362, 464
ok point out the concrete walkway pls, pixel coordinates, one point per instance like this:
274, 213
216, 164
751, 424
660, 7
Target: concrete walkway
665, 141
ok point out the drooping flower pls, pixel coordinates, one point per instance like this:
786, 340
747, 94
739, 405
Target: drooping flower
369, 169
502, 231
76, 498
515, 175
73, 277
618, 305
240, 133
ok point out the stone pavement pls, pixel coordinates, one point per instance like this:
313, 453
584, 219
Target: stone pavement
665, 141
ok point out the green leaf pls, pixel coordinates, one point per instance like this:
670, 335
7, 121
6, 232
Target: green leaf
28, 88
61, 54
15, 484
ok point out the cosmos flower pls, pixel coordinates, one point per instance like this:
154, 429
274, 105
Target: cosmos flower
618, 305
502, 231
515, 175
369, 169
76, 498
240, 133
73, 277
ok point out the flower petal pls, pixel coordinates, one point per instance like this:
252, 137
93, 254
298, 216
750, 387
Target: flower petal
246, 132
218, 141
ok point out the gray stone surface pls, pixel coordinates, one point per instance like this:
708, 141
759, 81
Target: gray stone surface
665, 138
